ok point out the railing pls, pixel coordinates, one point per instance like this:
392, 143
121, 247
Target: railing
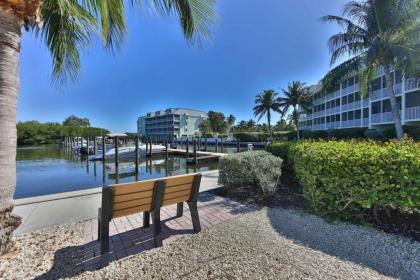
332, 95
319, 114
412, 113
333, 110
332, 125
319, 126
412, 84
379, 94
344, 91
365, 102
351, 106
351, 123
365, 121
381, 117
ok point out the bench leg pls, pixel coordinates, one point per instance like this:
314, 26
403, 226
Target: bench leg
146, 219
99, 224
157, 230
179, 209
104, 238
194, 216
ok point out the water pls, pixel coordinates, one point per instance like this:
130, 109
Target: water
49, 169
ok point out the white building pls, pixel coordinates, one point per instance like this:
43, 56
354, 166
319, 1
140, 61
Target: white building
345, 108
170, 123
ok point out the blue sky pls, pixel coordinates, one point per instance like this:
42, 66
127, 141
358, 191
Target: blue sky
257, 45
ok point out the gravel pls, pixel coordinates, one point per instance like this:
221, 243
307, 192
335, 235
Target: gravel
50, 253
274, 244
265, 244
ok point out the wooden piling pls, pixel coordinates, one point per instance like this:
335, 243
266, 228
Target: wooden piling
87, 147
116, 151
216, 144
195, 150
166, 149
205, 145
94, 145
187, 152
136, 139
198, 144
103, 150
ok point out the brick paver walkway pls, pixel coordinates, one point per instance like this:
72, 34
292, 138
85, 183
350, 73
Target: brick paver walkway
128, 237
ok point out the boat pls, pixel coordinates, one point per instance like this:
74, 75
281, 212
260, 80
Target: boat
126, 152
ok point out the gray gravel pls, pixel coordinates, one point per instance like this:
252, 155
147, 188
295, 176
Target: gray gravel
50, 253
274, 244
265, 244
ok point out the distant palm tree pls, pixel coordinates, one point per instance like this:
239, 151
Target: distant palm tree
295, 96
377, 33
66, 27
251, 124
266, 102
230, 121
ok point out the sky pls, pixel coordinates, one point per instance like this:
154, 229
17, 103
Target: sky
256, 45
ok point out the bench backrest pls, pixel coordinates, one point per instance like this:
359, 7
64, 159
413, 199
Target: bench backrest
129, 198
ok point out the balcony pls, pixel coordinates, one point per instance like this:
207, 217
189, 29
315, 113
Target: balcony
332, 125
365, 102
334, 110
365, 122
351, 106
351, 123
412, 84
319, 114
333, 95
319, 126
381, 118
412, 113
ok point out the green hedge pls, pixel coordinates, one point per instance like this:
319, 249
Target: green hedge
282, 150
344, 179
251, 136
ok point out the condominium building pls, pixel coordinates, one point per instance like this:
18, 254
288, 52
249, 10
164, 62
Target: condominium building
344, 107
170, 123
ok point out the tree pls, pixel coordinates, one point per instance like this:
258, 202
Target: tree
295, 96
230, 121
376, 33
205, 127
76, 121
217, 122
266, 102
66, 27
251, 124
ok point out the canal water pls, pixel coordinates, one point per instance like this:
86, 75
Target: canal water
49, 169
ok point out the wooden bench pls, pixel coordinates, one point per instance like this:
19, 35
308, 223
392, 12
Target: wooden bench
147, 197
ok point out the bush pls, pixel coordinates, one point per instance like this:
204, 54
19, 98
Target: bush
281, 150
284, 135
345, 179
257, 168
316, 134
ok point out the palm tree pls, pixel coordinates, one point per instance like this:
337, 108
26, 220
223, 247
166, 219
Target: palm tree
66, 27
266, 102
230, 121
295, 96
376, 33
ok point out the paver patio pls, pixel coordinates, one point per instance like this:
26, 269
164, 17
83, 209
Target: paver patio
128, 237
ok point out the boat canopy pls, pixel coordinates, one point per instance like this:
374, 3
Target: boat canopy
116, 134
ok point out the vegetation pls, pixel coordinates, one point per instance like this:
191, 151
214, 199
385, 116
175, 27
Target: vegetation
266, 102
76, 121
354, 180
295, 96
376, 33
256, 168
36, 133
216, 123
66, 28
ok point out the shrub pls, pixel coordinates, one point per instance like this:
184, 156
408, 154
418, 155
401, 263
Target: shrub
346, 133
257, 168
281, 149
316, 134
284, 135
344, 179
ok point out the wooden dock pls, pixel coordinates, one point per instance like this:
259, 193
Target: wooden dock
200, 155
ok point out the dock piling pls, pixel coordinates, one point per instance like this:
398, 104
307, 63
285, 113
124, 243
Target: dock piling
187, 149
166, 149
116, 151
216, 144
136, 139
195, 151
205, 145
103, 150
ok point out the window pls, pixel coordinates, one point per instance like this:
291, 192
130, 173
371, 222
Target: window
344, 116
328, 105
351, 115
376, 84
356, 79
398, 77
365, 113
351, 98
357, 114
376, 107
351, 81
357, 96
328, 119
344, 84
344, 100
337, 117
386, 106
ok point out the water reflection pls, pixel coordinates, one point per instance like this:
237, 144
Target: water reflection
50, 169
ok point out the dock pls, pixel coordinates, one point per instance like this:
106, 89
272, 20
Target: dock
200, 156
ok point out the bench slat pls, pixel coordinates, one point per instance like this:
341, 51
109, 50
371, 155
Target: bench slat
132, 203
132, 210
132, 196
179, 180
176, 194
178, 188
133, 187
176, 200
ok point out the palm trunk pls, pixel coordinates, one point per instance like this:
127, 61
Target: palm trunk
269, 125
297, 124
10, 36
394, 105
